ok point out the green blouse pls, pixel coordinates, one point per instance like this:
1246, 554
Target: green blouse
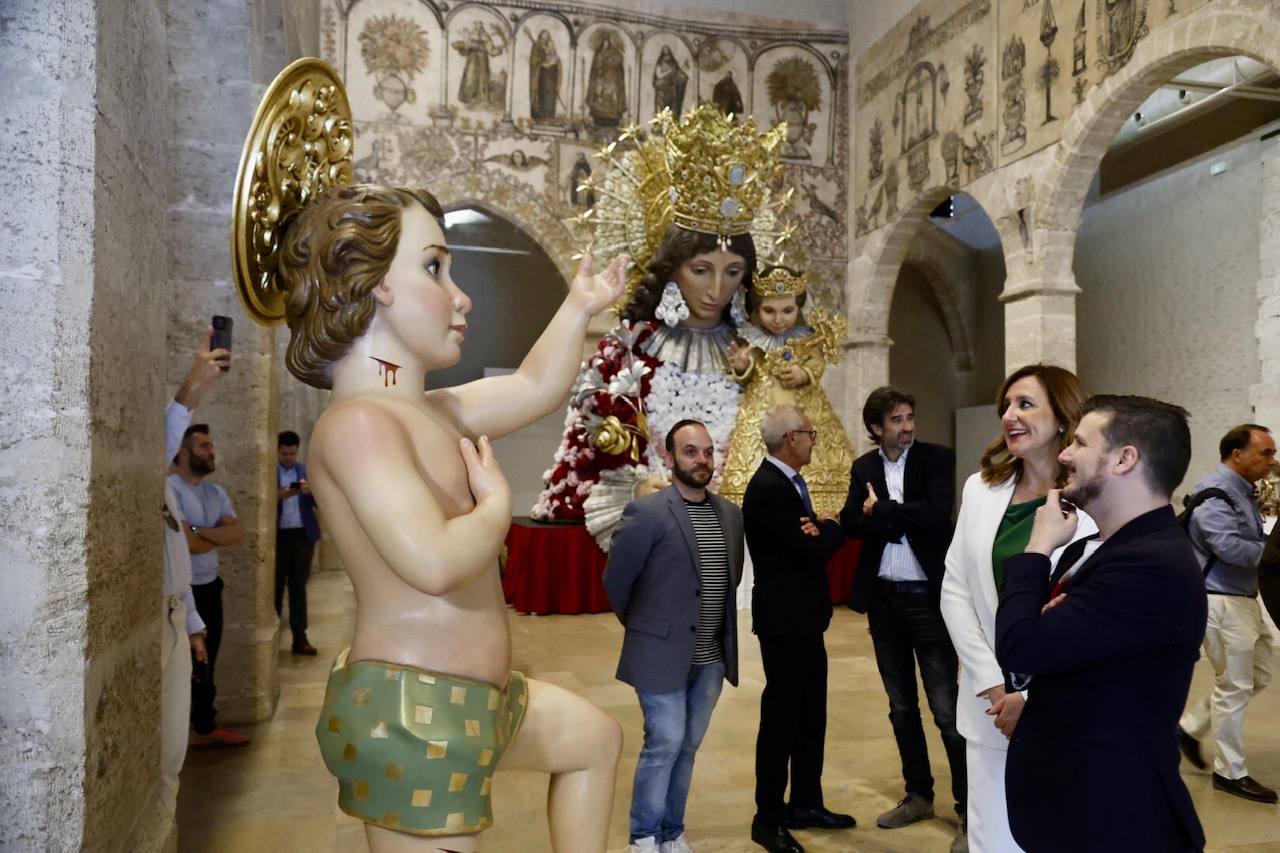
1013, 535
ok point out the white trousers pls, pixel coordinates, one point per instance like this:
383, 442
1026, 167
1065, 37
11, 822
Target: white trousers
987, 811
1239, 642
175, 700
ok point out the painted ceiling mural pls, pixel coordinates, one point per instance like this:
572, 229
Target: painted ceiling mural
506, 104
962, 87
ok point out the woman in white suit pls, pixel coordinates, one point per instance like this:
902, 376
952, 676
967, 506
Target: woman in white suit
1039, 407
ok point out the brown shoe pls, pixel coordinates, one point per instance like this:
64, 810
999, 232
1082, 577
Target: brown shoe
302, 647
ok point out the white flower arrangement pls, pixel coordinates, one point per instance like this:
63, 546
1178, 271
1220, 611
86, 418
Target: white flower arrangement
675, 395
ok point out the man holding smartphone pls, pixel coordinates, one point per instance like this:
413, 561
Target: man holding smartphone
296, 535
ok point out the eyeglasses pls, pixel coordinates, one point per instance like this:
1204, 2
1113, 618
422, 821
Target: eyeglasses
812, 433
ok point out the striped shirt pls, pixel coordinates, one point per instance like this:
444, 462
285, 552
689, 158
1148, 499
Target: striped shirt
713, 558
898, 563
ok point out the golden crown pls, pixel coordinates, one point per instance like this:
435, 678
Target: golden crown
779, 281
719, 170
708, 172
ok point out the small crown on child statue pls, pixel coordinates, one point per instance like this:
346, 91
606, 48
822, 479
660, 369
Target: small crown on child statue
719, 168
779, 281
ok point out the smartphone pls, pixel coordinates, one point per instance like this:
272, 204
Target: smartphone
221, 333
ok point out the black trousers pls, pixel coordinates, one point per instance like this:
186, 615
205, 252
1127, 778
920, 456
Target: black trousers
793, 724
1269, 586
906, 627
208, 598
293, 568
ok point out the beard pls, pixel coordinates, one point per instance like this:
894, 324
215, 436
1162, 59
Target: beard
696, 477
1084, 492
201, 466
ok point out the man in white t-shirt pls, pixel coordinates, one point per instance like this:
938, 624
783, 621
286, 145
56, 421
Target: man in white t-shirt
209, 523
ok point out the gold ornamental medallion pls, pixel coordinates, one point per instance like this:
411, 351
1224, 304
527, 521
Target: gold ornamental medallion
300, 144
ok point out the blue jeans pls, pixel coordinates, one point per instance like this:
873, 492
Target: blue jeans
674, 724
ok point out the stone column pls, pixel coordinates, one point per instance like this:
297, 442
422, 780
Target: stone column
1040, 324
215, 93
82, 346
1265, 395
864, 368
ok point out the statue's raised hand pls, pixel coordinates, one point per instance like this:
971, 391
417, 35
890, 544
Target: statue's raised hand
596, 291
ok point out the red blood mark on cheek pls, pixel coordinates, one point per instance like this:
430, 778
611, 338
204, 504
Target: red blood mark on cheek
387, 370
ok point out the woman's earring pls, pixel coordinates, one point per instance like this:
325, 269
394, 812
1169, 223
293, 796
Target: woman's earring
738, 309
672, 309
1062, 430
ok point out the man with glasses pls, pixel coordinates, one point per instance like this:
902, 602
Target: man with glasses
791, 608
899, 505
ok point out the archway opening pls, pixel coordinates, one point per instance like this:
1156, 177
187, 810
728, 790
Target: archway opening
1169, 253
947, 325
515, 289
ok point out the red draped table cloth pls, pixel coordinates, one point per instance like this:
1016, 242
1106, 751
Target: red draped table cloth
557, 568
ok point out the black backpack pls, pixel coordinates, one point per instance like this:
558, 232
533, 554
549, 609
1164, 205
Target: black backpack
1189, 504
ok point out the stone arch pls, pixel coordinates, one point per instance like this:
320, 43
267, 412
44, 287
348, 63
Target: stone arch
874, 271
1249, 28
517, 204
943, 290
428, 4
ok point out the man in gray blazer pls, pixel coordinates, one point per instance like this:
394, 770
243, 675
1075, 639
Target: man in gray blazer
674, 564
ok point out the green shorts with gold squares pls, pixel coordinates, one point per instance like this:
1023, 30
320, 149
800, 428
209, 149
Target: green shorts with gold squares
414, 751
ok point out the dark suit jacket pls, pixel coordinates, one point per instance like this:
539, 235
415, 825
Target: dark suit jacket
1093, 762
653, 581
791, 593
923, 517
306, 507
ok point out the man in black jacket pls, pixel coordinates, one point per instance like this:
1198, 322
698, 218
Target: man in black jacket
899, 505
791, 608
1093, 764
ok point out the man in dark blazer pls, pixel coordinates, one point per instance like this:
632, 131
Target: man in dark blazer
674, 565
1108, 642
899, 505
791, 608
297, 532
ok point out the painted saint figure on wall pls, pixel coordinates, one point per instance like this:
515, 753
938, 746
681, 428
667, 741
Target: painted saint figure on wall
669, 81
544, 78
606, 83
476, 88
582, 197
726, 96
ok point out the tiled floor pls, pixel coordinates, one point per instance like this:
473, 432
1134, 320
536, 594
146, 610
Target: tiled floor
275, 795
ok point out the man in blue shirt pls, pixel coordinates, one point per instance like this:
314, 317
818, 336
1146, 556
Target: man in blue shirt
211, 524
1240, 638
296, 536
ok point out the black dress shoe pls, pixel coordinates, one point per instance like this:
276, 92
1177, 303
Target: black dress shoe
1191, 749
819, 818
1245, 787
302, 647
774, 838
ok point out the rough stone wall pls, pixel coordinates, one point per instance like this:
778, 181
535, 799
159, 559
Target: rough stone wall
214, 95
1165, 309
1265, 395
127, 349
81, 343
46, 289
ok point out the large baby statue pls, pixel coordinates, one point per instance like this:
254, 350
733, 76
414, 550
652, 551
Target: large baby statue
423, 707
691, 202
783, 361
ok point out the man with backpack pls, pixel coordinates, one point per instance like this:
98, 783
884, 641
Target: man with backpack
1226, 530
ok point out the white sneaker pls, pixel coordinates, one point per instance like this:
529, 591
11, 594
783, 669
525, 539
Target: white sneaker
644, 845
679, 845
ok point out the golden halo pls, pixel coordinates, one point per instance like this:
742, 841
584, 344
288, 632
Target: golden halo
300, 144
